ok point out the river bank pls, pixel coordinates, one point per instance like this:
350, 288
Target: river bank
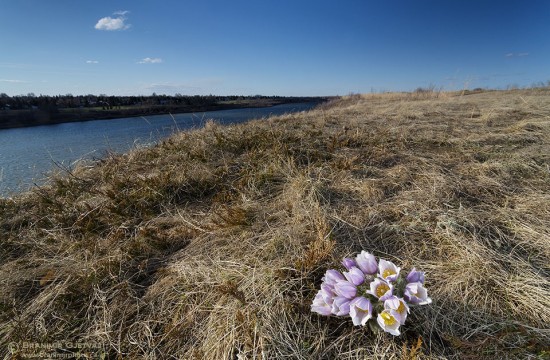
28, 154
10, 119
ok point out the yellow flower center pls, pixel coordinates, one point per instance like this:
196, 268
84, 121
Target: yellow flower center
401, 307
388, 318
382, 289
388, 272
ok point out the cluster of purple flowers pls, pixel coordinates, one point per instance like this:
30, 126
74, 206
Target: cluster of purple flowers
371, 290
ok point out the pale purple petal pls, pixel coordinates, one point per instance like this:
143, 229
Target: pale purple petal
345, 289
349, 263
416, 294
355, 276
320, 306
340, 306
415, 276
327, 292
367, 263
332, 276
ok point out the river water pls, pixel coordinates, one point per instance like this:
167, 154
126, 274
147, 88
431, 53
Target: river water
28, 154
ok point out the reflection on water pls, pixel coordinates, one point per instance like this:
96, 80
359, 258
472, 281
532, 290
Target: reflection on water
27, 154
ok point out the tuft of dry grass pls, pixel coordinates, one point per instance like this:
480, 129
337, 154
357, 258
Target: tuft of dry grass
212, 244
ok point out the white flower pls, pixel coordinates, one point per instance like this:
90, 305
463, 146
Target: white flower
388, 322
380, 289
360, 310
388, 270
399, 306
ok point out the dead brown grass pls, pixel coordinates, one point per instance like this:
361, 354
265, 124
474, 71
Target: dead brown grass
212, 244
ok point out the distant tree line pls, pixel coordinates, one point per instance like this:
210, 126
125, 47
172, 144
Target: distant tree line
32, 110
107, 102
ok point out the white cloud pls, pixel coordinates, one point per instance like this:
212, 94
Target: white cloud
149, 60
108, 23
516, 54
113, 23
92, 62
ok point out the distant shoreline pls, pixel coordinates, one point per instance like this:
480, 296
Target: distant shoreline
12, 119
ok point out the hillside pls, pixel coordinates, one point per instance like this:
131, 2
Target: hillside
213, 243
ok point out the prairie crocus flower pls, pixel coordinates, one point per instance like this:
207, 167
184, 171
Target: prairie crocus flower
371, 289
415, 276
349, 263
340, 306
399, 306
322, 304
367, 263
332, 276
345, 289
388, 322
416, 294
355, 276
388, 270
360, 310
328, 292
380, 289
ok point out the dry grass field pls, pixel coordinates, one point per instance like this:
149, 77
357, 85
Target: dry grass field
212, 244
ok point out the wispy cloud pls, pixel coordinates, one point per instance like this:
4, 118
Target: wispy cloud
13, 81
113, 23
92, 62
149, 60
509, 55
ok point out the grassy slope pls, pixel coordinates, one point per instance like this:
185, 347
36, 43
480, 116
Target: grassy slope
214, 243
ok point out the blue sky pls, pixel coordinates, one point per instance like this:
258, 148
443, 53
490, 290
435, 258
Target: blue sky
282, 47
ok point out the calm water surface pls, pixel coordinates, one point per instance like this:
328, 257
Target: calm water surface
28, 154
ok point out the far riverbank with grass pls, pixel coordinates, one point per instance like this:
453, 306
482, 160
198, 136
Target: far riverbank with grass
25, 111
